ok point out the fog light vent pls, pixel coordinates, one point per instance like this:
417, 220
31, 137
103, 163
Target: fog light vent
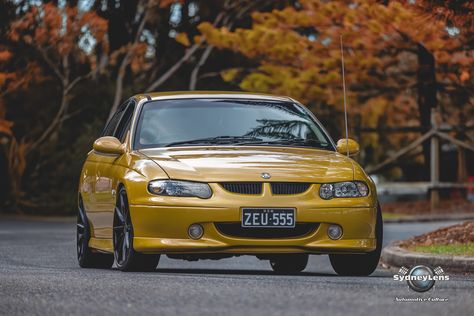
334, 231
195, 231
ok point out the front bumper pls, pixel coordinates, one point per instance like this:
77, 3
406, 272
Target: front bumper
161, 225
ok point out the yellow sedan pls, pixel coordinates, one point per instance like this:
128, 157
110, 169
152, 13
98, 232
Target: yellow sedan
209, 175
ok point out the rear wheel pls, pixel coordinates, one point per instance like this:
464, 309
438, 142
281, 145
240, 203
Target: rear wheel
126, 257
85, 256
363, 264
289, 263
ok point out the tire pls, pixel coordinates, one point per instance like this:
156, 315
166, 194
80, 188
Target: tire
126, 257
289, 263
86, 257
363, 264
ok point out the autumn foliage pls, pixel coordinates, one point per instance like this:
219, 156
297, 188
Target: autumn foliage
54, 37
297, 51
5, 77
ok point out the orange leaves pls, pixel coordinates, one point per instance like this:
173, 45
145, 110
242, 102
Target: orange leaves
6, 76
456, 12
61, 28
464, 75
183, 39
456, 66
306, 40
96, 25
221, 38
167, 3
20, 79
5, 127
139, 61
463, 58
41, 26
5, 55
230, 75
137, 56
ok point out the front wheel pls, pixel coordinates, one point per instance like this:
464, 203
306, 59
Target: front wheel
86, 257
364, 264
289, 263
126, 257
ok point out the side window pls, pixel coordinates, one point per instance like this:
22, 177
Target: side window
111, 126
125, 122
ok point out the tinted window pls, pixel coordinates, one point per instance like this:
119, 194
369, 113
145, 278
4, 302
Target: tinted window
112, 125
125, 122
186, 122
114, 121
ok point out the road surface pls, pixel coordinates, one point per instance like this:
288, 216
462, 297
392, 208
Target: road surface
39, 275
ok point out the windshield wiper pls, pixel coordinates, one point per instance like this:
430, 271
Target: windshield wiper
290, 142
216, 140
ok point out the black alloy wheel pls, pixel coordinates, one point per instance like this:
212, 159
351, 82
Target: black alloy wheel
86, 256
126, 257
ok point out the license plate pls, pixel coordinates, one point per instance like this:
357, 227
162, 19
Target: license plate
268, 217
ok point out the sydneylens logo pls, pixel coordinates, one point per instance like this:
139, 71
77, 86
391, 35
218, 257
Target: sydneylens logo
421, 278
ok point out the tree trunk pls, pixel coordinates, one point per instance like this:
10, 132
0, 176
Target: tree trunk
4, 171
158, 82
15, 154
127, 59
426, 96
55, 123
195, 72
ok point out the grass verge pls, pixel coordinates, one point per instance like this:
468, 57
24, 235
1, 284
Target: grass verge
392, 215
458, 249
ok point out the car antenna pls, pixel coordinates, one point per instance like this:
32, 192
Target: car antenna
345, 98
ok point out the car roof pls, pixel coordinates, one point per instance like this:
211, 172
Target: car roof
210, 94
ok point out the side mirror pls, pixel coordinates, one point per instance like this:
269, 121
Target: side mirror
343, 146
109, 145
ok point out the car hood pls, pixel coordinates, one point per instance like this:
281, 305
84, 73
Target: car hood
219, 164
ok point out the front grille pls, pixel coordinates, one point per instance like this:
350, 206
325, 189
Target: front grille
236, 230
289, 187
243, 187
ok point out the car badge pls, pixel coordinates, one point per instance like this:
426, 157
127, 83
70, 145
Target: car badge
266, 175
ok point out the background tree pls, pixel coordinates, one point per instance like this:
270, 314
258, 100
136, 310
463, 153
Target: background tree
397, 62
63, 38
59, 42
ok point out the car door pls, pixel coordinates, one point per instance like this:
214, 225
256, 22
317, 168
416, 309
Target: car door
105, 180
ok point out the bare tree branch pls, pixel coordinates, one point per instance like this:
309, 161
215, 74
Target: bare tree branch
126, 61
402, 151
202, 61
227, 23
158, 82
189, 53
50, 63
53, 126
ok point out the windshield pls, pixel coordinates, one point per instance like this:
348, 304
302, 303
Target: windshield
196, 122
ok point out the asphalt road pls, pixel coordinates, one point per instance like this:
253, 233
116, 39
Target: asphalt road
39, 275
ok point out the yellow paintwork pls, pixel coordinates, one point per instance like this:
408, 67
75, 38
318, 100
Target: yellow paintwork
345, 146
109, 145
160, 223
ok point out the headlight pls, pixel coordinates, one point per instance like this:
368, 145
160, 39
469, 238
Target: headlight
180, 188
343, 189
